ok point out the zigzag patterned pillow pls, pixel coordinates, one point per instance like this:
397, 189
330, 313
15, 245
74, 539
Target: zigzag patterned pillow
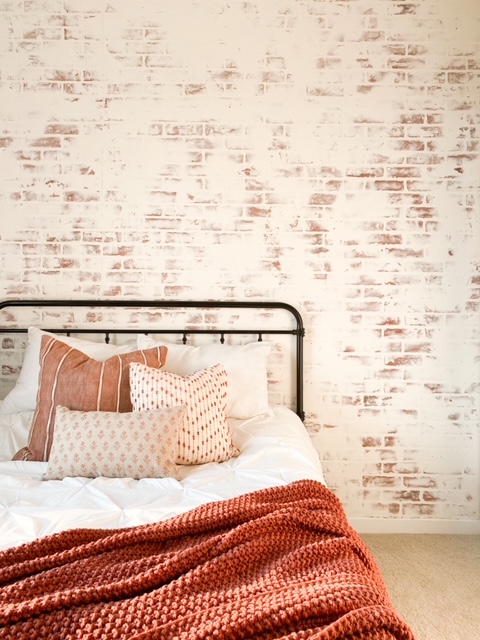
206, 435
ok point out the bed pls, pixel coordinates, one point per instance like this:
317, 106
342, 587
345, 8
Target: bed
157, 480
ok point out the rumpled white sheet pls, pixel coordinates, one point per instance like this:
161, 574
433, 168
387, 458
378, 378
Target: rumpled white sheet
275, 449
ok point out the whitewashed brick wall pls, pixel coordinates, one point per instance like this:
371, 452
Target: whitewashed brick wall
323, 152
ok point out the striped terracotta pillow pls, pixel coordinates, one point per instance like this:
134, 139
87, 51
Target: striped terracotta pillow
72, 379
205, 436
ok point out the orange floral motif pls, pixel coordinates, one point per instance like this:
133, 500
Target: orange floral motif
102, 443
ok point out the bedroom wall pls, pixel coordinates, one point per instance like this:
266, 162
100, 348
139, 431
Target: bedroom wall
323, 152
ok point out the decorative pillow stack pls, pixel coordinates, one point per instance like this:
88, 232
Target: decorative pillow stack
206, 435
131, 411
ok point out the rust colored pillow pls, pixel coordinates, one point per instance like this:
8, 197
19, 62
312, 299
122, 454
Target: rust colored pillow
72, 379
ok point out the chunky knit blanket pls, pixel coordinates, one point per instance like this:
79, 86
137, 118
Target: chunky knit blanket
276, 563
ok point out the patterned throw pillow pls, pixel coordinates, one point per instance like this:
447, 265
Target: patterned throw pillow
72, 379
115, 445
206, 435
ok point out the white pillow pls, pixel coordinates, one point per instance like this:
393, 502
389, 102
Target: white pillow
115, 445
23, 397
14, 431
205, 436
246, 367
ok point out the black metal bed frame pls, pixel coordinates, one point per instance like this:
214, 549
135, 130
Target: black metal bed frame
298, 331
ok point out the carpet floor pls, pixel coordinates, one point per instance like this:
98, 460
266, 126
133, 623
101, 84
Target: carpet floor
433, 581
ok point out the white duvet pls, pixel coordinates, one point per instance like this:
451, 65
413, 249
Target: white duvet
275, 449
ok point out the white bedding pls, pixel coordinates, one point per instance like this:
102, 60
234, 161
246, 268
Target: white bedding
275, 449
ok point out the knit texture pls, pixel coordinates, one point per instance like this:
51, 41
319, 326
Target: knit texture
276, 563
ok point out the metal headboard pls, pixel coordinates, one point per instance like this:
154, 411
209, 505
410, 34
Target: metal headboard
298, 331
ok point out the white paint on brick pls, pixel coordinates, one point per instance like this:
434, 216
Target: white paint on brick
324, 153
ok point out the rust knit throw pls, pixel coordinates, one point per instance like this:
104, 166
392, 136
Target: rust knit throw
276, 563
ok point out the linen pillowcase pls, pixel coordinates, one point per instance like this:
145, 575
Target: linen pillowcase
206, 436
115, 445
246, 367
70, 378
23, 396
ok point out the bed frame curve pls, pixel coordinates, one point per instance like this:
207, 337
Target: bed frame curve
298, 331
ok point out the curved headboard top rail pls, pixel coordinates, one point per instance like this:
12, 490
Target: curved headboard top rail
298, 331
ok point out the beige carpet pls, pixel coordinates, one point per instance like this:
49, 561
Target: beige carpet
434, 582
